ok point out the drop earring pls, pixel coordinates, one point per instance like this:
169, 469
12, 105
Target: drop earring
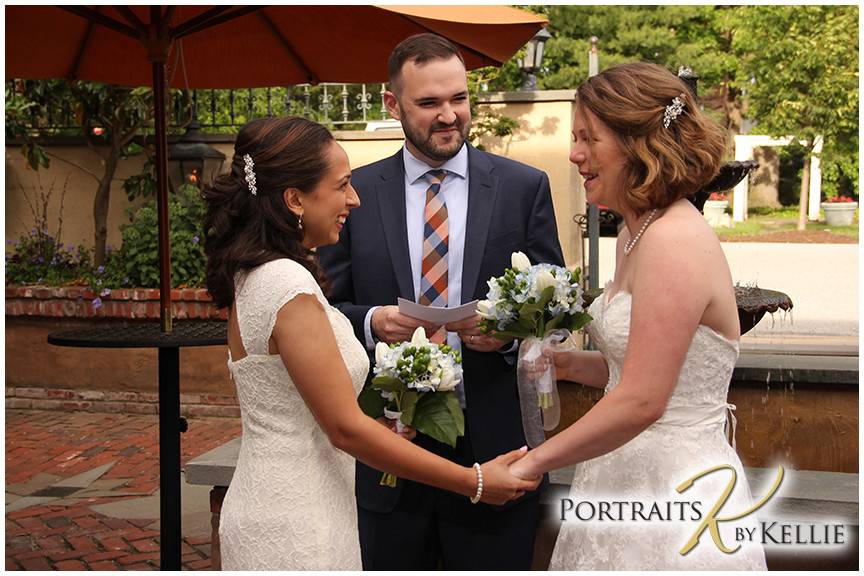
300, 222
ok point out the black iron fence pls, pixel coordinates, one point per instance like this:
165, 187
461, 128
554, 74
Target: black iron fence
343, 106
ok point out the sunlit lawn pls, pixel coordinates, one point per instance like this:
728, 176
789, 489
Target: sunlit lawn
784, 220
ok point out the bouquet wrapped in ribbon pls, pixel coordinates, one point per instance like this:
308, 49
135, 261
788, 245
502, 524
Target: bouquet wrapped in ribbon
541, 305
413, 386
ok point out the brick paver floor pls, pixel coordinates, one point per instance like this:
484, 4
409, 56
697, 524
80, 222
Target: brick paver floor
60, 530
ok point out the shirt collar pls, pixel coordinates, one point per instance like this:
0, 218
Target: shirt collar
416, 169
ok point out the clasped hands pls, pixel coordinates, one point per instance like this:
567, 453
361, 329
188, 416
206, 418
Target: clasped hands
390, 326
503, 478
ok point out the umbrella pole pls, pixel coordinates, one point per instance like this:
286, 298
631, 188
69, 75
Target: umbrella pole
159, 93
170, 533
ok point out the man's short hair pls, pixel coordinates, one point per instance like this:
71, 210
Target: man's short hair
420, 48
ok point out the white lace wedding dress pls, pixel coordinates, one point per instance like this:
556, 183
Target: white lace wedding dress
290, 505
688, 439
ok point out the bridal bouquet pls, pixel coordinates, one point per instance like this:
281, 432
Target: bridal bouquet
540, 305
413, 385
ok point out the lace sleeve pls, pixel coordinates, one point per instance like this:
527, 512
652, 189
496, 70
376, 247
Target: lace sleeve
262, 294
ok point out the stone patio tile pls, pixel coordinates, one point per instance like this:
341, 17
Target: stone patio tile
147, 507
34, 484
107, 484
107, 494
84, 479
26, 502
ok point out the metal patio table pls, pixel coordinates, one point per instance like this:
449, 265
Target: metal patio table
148, 334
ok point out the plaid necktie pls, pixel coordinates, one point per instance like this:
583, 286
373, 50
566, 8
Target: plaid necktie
433, 275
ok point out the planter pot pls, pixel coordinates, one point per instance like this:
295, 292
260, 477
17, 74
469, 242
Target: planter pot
839, 213
714, 210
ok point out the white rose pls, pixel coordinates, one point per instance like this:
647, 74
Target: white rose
519, 261
448, 379
419, 337
486, 309
543, 280
382, 350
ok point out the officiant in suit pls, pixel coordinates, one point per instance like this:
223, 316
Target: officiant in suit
437, 220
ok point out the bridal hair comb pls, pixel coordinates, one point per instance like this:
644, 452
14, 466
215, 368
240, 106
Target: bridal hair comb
249, 169
673, 110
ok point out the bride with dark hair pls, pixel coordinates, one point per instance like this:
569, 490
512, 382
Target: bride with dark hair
296, 362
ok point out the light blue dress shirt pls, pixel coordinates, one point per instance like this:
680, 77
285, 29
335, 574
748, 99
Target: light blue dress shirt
455, 192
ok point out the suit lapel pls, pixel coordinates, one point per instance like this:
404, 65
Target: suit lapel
390, 191
482, 190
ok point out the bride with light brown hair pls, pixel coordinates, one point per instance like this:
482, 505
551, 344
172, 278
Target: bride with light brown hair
667, 332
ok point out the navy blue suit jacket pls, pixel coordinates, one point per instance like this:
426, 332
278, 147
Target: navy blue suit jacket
509, 209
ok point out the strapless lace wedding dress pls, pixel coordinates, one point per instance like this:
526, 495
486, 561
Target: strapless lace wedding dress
291, 502
688, 439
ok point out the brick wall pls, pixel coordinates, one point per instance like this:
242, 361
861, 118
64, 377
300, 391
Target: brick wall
42, 376
121, 303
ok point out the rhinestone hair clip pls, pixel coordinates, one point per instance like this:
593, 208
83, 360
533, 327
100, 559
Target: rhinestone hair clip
249, 168
673, 110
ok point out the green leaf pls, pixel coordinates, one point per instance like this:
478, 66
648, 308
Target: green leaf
580, 320
387, 383
371, 402
456, 412
409, 403
437, 420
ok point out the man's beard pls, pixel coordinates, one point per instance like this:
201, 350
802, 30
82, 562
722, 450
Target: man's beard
426, 146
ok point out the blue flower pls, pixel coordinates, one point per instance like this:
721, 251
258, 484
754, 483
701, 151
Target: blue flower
100, 270
195, 239
97, 303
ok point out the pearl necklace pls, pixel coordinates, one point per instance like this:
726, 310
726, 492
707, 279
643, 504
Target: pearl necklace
628, 246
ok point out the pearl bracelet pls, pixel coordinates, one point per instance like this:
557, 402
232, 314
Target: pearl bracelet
479, 493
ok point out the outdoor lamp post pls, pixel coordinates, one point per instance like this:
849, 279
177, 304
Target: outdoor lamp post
191, 160
530, 62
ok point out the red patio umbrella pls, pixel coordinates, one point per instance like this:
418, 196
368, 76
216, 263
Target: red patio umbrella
239, 46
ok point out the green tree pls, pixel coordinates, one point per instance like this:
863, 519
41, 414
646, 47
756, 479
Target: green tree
800, 64
108, 117
672, 36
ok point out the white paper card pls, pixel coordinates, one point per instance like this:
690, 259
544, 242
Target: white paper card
436, 315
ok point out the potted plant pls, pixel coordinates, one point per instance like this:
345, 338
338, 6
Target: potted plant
839, 210
715, 208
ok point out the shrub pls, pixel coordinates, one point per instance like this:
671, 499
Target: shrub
137, 261
39, 258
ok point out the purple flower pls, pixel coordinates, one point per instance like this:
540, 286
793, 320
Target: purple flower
195, 239
97, 303
125, 280
100, 270
105, 292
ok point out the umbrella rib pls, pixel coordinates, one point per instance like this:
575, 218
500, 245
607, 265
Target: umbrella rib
310, 76
210, 18
88, 34
132, 19
101, 19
